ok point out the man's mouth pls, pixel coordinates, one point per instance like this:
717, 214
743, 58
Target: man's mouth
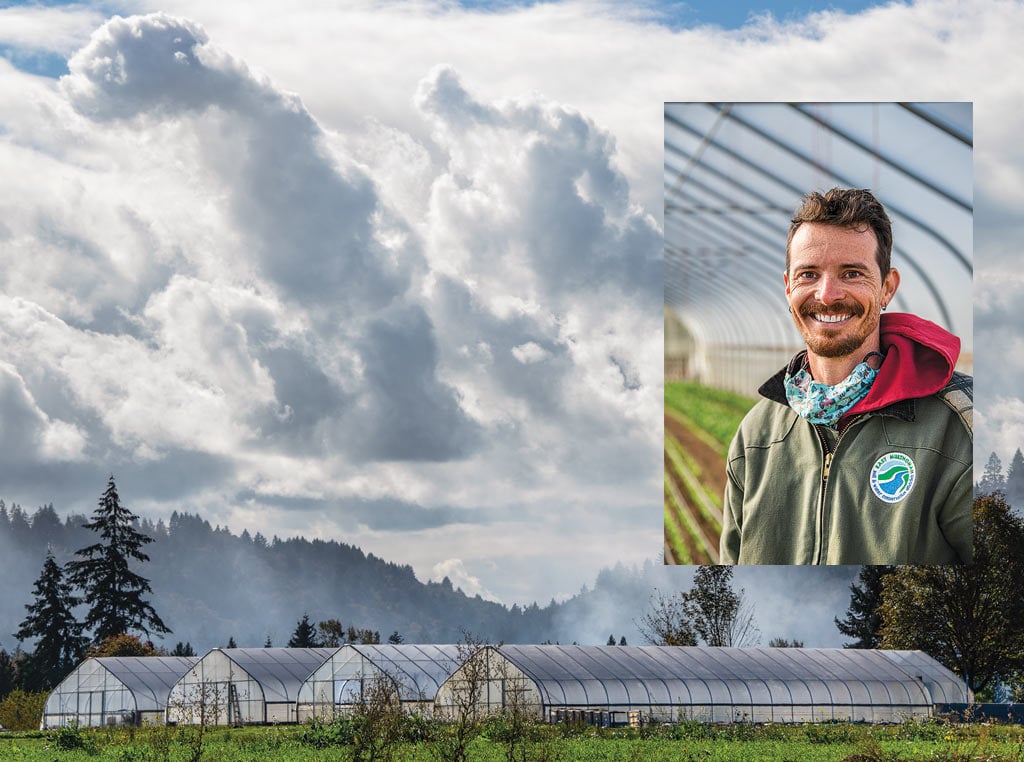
822, 318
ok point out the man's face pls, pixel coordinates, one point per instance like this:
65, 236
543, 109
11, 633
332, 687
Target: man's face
835, 288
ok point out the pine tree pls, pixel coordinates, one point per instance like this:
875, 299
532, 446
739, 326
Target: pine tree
395, 638
59, 640
231, 642
1015, 480
304, 635
992, 480
112, 591
183, 649
863, 620
611, 640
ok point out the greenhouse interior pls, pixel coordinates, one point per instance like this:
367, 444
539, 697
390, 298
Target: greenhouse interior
734, 175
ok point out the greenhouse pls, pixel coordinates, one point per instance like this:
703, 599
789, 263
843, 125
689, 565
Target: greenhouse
415, 671
115, 690
615, 685
242, 686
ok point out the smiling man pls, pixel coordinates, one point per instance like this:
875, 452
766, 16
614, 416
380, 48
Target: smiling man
861, 450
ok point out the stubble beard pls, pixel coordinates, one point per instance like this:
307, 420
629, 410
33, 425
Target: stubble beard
844, 344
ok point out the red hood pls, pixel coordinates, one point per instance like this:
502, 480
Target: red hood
919, 360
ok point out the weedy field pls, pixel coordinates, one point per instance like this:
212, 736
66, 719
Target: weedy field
908, 742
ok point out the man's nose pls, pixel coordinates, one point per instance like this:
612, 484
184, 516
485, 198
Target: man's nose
829, 290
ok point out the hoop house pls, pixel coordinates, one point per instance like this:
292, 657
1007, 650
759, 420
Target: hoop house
115, 690
416, 671
618, 684
242, 686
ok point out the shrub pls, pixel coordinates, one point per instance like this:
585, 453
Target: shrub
68, 737
21, 710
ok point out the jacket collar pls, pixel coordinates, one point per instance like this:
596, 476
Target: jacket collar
919, 361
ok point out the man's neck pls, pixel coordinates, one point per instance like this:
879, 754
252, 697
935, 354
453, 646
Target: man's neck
832, 370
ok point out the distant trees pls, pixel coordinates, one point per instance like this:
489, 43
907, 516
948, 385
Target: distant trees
970, 618
710, 610
863, 620
123, 644
784, 643
304, 635
992, 479
1015, 479
59, 641
113, 592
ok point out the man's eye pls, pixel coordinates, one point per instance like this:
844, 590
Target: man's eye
851, 274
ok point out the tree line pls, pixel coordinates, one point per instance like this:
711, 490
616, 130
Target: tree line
969, 618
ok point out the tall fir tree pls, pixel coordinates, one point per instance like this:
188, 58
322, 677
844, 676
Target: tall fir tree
113, 592
60, 644
1015, 480
992, 479
304, 635
863, 620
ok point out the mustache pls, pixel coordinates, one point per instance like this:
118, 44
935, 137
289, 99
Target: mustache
841, 308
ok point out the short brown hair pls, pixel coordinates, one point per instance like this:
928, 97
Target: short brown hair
855, 208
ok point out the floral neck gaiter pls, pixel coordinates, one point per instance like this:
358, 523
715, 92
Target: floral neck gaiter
820, 403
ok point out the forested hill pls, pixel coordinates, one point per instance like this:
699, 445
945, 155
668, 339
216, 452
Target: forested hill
209, 585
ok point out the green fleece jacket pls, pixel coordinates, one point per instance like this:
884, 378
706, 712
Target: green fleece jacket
893, 483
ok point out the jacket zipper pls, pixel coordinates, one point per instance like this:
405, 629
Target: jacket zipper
826, 467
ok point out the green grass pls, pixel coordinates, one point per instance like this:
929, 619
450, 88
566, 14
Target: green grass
908, 742
716, 412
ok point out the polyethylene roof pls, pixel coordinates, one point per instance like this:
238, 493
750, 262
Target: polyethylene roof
418, 669
735, 173
660, 675
279, 671
149, 678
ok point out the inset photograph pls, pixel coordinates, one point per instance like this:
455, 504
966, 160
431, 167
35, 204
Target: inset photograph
818, 333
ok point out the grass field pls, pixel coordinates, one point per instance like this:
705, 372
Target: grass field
715, 412
909, 742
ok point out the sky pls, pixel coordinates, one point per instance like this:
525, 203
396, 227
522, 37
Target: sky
391, 273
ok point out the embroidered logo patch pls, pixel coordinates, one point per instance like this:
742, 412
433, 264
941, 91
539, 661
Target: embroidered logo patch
892, 477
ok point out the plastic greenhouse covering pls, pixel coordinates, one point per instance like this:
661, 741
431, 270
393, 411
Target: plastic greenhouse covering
417, 670
729, 684
115, 690
734, 174
244, 685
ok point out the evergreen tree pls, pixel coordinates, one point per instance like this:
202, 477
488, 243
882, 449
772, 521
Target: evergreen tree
863, 620
112, 590
622, 640
59, 640
395, 639
8, 673
992, 480
183, 649
970, 618
611, 640
1015, 479
231, 642
304, 635
267, 643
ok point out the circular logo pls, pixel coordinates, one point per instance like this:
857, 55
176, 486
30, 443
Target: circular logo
892, 477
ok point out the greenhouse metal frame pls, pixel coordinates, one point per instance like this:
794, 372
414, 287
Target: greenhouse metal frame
734, 174
115, 690
243, 686
415, 670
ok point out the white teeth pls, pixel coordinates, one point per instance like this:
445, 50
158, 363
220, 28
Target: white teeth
830, 318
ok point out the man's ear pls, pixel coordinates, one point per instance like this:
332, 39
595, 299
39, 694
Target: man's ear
892, 282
